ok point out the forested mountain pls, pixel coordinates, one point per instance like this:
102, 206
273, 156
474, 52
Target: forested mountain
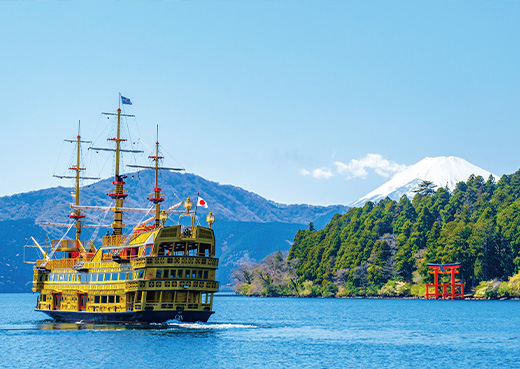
384, 248
478, 225
247, 226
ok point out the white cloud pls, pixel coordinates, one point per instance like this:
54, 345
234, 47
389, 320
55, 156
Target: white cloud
320, 173
358, 168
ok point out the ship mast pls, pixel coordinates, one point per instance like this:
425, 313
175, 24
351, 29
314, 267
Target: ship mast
157, 197
76, 214
118, 193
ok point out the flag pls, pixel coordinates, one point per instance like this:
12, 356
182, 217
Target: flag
202, 203
125, 100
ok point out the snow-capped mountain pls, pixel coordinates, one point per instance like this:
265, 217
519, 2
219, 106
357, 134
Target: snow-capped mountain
442, 171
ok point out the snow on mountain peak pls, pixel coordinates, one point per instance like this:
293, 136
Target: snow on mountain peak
442, 171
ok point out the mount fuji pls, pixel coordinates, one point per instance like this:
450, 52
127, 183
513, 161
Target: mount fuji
443, 171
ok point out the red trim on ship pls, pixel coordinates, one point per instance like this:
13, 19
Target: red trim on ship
116, 139
159, 199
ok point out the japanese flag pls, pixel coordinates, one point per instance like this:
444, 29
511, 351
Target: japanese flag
202, 202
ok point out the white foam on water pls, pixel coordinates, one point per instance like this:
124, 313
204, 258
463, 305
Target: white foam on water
210, 325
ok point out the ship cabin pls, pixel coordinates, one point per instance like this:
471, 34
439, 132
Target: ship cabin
170, 268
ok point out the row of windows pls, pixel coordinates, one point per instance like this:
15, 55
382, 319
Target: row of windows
127, 276
91, 277
104, 299
181, 273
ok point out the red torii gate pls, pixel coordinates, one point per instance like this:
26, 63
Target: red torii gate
449, 290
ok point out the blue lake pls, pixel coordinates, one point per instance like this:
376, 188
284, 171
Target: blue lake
275, 333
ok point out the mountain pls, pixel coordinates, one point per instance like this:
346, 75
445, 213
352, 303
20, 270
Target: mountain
443, 171
247, 226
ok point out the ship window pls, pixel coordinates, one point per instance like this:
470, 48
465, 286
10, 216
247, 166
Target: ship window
139, 296
158, 274
204, 298
172, 273
110, 299
129, 276
94, 277
166, 273
103, 299
80, 278
114, 276
122, 276
179, 273
87, 277
165, 248
61, 277
96, 299
148, 250
117, 299
193, 274
141, 274
205, 274
187, 274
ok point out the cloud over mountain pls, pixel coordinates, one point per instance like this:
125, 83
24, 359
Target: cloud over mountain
358, 168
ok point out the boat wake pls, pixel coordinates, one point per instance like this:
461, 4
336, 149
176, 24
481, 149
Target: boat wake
210, 325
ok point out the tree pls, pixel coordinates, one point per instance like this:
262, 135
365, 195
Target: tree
426, 188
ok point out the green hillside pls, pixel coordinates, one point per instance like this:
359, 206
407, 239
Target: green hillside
386, 246
247, 227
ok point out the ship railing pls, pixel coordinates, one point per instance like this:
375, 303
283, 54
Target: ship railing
173, 284
67, 263
190, 261
114, 240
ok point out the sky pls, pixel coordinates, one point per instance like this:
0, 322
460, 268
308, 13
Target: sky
315, 102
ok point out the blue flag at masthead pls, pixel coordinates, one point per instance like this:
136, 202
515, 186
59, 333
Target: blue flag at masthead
125, 100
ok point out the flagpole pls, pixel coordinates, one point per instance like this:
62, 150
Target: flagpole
120, 100
197, 204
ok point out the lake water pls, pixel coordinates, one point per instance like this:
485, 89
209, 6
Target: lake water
251, 332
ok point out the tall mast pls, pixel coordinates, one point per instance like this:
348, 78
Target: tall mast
157, 197
118, 194
76, 214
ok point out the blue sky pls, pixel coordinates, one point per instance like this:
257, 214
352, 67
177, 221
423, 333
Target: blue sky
272, 96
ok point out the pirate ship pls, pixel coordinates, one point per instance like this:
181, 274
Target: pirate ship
156, 273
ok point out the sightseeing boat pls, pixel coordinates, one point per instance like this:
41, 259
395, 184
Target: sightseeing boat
157, 273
